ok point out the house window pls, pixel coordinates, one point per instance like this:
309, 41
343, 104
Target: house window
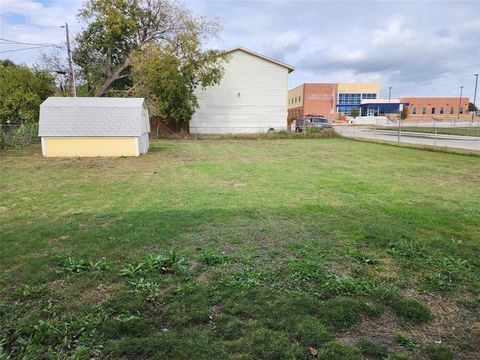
414, 111
442, 110
461, 110
451, 110
424, 110
433, 110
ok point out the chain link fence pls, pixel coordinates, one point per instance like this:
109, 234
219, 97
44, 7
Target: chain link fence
18, 135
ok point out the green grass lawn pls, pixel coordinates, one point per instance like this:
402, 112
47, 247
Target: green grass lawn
466, 131
218, 249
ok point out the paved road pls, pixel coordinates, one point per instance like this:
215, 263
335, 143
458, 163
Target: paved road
453, 141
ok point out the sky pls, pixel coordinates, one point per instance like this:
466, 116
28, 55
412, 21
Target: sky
419, 48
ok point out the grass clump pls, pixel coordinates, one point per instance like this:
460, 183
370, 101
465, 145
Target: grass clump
342, 313
268, 345
334, 350
310, 332
439, 352
371, 349
411, 310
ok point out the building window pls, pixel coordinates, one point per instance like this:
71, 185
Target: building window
349, 99
451, 110
300, 98
414, 111
461, 110
442, 110
369, 96
424, 110
433, 110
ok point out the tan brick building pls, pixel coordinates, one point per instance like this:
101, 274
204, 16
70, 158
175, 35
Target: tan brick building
435, 107
331, 100
336, 100
318, 99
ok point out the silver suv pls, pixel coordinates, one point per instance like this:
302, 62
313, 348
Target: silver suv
317, 122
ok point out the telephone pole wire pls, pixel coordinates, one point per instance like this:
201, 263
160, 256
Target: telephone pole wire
70, 63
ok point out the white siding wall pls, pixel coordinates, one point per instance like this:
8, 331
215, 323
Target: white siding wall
252, 97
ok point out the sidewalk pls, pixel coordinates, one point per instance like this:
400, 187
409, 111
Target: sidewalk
441, 140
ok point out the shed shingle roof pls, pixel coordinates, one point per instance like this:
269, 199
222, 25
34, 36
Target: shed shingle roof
89, 117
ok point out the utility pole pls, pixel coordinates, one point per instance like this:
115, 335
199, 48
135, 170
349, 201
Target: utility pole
70, 63
389, 93
474, 97
460, 101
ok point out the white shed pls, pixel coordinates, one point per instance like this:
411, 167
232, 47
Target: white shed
93, 126
251, 97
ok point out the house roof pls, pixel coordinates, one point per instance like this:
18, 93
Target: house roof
93, 102
290, 68
92, 117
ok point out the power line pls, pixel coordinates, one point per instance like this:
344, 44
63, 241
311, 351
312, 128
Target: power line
29, 48
13, 42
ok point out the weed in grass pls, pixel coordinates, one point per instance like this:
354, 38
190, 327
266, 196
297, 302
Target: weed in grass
336, 351
363, 258
411, 310
145, 286
245, 278
215, 258
406, 248
70, 265
32, 292
154, 264
307, 273
304, 271
451, 272
406, 341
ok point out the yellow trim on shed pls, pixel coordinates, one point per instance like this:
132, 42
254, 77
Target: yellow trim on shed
89, 146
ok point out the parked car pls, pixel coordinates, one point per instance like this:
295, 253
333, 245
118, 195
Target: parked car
317, 122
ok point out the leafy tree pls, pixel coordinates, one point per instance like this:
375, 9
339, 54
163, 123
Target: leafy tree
117, 30
404, 113
472, 107
168, 79
354, 112
22, 90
